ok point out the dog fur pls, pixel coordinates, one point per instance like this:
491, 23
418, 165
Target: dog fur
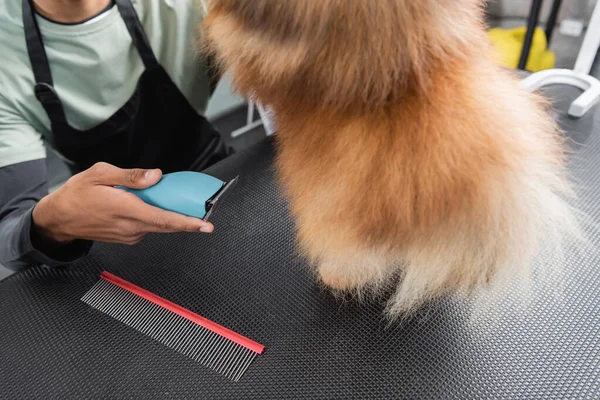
402, 146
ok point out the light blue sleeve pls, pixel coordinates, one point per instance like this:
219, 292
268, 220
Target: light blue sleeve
19, 141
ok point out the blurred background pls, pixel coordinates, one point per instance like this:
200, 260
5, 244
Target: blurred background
565, 41
506, 19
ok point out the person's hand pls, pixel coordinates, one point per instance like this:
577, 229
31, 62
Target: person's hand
89, 207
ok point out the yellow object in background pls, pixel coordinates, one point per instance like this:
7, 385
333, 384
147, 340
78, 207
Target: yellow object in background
509, 43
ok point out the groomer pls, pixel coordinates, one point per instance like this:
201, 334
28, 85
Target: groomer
118, 88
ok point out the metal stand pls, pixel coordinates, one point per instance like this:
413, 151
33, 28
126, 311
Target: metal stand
265, 119
532, 21
534, 17
579, 77
266, 116
552, 20
250, 123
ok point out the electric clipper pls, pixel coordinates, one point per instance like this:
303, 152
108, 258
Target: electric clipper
194, 194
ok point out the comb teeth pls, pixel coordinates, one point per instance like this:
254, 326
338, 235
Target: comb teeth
175, 331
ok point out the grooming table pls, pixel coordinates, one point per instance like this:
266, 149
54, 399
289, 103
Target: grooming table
247, 277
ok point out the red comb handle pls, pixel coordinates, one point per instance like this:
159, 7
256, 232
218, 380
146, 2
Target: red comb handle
216, 328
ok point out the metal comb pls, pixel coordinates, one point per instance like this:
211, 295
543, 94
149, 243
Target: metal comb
206, 342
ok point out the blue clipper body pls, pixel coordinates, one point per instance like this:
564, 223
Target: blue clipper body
189, 193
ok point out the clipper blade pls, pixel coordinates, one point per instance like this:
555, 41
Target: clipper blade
212, 203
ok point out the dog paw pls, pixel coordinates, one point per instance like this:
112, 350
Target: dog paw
337, 280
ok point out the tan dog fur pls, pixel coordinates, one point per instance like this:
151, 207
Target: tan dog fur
402, 145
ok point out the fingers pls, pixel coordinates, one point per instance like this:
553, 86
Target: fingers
146, 217
165, 221
158, 220
136, 178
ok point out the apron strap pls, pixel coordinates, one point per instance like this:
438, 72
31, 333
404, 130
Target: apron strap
136, 31
35, 47
44, 89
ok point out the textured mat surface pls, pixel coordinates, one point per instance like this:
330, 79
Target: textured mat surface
246, 277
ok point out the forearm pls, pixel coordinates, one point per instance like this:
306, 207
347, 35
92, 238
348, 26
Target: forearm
21, 245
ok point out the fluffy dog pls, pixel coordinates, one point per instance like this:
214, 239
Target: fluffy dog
402, 145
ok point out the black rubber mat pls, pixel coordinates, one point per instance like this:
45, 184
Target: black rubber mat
247, 277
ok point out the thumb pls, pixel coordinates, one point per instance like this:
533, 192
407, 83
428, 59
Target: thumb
134, 178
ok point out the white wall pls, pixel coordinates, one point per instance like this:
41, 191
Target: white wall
521, 8
223, 100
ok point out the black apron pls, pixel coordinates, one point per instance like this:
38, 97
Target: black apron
156, 128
